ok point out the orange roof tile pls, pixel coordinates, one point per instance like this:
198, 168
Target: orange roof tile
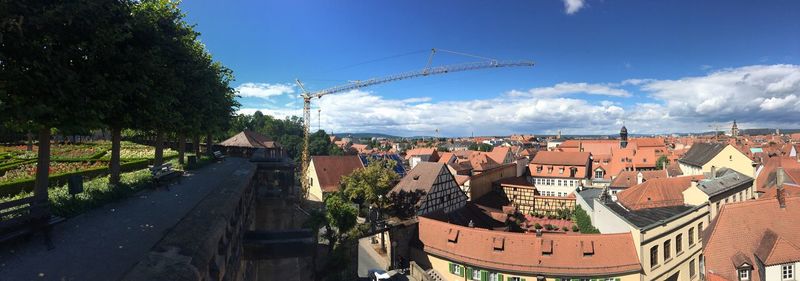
657, 192
743, 227
331, 169
556, 254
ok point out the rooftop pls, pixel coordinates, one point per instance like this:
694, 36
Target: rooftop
701, 153
645, 218
550, 254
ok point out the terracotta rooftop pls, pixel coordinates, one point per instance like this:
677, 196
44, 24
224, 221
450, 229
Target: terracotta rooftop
331, 169
561, 158
423, 151
420, 178
550, 254
627, 179
249, 139
766, 177
755, 229
657, 192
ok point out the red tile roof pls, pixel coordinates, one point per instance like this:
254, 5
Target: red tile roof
658, 192
550, 254
331, 169
627, 179
561, 158
743, 227
249, 139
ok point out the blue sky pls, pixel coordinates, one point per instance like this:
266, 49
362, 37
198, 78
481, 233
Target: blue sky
657, 66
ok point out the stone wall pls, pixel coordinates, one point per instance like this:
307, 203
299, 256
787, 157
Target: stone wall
207, 243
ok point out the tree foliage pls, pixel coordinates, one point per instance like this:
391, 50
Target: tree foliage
288, 132
74, 66
370, 183
662, 162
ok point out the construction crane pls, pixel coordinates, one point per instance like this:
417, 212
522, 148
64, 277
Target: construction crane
427, 71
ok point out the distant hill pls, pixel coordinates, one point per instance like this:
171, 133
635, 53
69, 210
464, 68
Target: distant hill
364, 135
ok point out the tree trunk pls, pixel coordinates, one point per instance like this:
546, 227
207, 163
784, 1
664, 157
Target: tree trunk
196, 145
209, 145
42, 167
159, 159
29, 135
181, 147
114, 166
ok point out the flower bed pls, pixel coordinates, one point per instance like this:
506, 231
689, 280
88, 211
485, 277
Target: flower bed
28, 171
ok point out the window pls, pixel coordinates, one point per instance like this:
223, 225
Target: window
559, 182
744, 274
598, 174
691, 236
653, 256
549, 170
667, 248
678, 244
691, 268
476, 275
456, 269
560, 170
494, 276
700, 232
514, 278
539, 169
787, 271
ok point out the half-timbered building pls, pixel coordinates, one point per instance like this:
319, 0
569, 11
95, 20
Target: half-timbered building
428, 187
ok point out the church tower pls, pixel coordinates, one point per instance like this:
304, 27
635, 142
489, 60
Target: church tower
734, 130
623, 137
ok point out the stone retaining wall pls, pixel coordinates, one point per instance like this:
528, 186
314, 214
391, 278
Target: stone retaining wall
207, 243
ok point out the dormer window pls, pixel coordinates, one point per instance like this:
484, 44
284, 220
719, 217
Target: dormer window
538, 169
560, 170
744, 274
550, 170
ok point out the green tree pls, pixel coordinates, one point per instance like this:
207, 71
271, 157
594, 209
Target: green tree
480, 147
49, 61
662, 162
371, 183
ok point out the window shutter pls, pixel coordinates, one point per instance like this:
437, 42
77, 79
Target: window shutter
469, 272
484, 275
462, 270
500, 277
616, 279
522, 279
452, 268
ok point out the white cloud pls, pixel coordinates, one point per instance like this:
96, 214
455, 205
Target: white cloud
264, 90
750, 93
575, 88
573, 6
756, 96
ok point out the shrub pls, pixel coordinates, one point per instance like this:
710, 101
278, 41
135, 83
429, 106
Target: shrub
583, 221
575, 228
565, 228
537, 226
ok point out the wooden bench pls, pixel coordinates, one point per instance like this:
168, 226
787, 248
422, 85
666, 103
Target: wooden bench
218, 156
164, 173
21, 218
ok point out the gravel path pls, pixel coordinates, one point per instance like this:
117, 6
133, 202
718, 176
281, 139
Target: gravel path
105, 243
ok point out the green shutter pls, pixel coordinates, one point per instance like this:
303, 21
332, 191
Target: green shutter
616, 279
484, 275
452, 268
469, 272
500, 277
523, 279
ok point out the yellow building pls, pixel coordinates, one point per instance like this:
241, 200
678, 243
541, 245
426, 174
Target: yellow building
325, 173
703, 157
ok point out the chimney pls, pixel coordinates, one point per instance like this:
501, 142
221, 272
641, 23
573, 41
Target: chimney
779, 193
713, 172
639, 178
538, 233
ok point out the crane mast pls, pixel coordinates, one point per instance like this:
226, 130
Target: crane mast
427, 71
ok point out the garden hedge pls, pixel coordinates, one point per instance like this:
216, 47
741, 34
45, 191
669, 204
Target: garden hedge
15, 187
